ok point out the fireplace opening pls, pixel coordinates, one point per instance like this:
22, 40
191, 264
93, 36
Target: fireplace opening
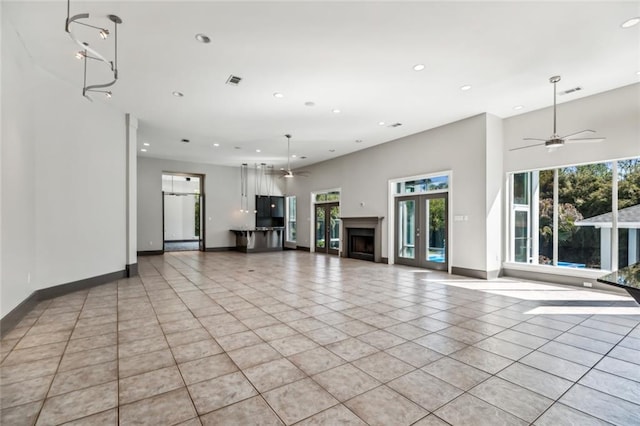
361, 243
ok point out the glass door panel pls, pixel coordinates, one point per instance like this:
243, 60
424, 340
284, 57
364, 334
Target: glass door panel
406, 228
334, 228
320, 229
327, 228
422, 231
435, 215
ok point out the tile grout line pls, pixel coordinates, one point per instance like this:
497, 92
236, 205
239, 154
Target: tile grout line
581, 377
61, 357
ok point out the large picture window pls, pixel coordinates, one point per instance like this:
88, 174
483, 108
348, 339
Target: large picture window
565, 217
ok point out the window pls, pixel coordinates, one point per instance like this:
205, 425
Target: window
291, 218
328, 197
583, 235
434, 183
628, 212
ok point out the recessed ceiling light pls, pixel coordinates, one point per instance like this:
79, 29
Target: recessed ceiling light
418, 67
146, 144
177, 94
202, 38
637, 72
258, 150
517, 107
278, 95
216, 144
380, 123
143, 150
335, 111
465, 87
358, 140
630, 22
309, 104
293, 155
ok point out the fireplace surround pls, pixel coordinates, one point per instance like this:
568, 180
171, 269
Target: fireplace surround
362, 238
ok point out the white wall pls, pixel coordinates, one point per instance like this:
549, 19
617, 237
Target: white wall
63, 180
222, 201
614, 114
363, 178
494, 198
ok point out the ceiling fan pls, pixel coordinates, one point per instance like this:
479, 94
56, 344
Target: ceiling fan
556, 140
288, 173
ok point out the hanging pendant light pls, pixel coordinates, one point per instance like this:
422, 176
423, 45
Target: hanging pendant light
88, 52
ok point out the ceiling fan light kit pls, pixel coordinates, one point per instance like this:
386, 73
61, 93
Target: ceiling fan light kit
88, 52
555, 141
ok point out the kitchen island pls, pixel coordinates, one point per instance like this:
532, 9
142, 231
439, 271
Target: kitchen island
627, 278
256, 240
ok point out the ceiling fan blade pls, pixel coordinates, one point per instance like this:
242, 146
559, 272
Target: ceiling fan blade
534, 139
528, 146
577, 133
585, 140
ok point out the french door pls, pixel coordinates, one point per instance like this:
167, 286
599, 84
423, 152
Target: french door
422, 231
327, 221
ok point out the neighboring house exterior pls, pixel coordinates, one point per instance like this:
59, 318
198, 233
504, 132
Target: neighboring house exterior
629, 219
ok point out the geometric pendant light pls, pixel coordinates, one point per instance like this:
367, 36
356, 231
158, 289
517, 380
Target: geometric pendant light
88, 53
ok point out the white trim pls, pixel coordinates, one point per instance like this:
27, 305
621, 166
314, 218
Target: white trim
312, 217
391, 199
621, 225
556, 270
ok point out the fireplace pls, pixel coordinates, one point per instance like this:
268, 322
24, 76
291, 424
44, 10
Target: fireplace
361, 243
362, 238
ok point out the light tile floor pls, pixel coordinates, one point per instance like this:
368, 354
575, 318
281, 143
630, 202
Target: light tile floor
299, 338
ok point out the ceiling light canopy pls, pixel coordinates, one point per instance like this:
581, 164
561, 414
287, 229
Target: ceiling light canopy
203, 38
216, 145
380, 123
278, 95
631, 22
418, 67
465, 87
88, 52
336, 111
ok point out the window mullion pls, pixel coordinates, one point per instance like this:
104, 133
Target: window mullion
556, 214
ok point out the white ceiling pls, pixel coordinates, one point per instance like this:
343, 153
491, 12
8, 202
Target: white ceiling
354, 56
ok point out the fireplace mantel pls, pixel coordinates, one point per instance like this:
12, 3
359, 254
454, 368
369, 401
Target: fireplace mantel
368, 222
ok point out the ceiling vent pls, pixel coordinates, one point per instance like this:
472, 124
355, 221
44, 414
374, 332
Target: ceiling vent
234, 80
395, 125
569, 91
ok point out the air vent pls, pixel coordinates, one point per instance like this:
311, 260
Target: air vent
395, 125
569, 91
234, 80
185, 141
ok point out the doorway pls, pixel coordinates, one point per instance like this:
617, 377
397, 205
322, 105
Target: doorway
327, 221
422, 231
182, 212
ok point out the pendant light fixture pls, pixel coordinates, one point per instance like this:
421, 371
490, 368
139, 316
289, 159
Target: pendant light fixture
244, 188
87, 52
